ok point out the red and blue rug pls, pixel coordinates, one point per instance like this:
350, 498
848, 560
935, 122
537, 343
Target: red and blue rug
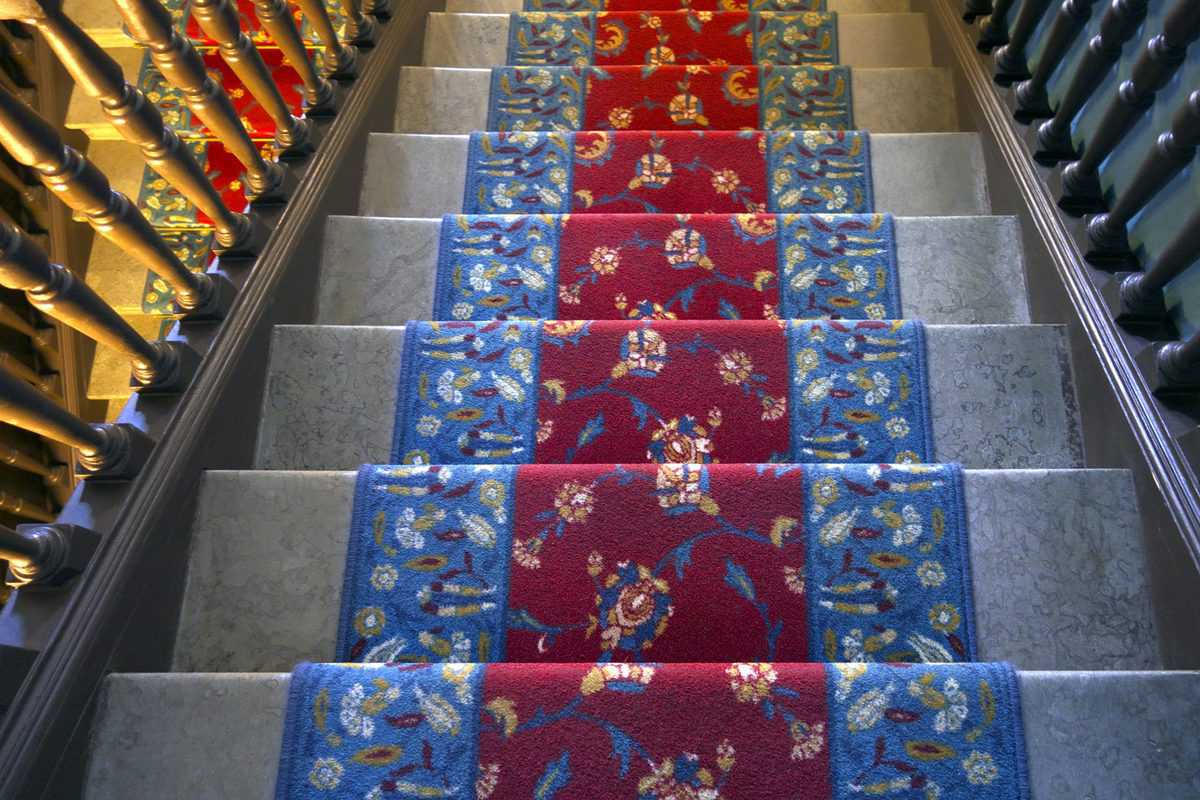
674, 5
674, 562
662, 266
670, 98
727, 731
647, 172
657, 38
674, 391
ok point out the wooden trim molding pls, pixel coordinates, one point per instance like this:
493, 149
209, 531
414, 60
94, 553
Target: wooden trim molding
1171, 471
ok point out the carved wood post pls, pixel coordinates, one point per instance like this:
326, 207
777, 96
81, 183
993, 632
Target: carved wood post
1140, 305
1155, 65
993, 32
1032, 102
219, 19
106, 451
320, 100
137, 120
1010, 59
52, 289
341, 60
151, 25
360, 30
1121, 19
1172, 151
34, 142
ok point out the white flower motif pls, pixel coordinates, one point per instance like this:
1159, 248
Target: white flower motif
897, 427
384, 577
881, 389
839, 199
911, 528
980, 768
408, 537
354, 720
500, 196
326, 773
951, 717
446, 389
428, 425
859, 280
479, 279
875, 311
931, 574
462, 310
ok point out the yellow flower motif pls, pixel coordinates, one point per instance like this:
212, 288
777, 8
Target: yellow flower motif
808, 740
369, 621
574, 501
654, 23
645, 351
734, 367
678, 485
492, 493
725, 181
562, 329
684, 246
620, 118
659, 55
602, 674
945, 618
751, 683
755, 225
654, 171
825, 491
326, 773
773, 408
604, 260
545, 430
806, 361
685, 109
980, 768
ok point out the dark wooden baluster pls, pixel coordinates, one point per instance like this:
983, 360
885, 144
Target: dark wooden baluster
46, 555
320, 99
379, 9
1108, 242
1032, 101
158, 366
139, 122
1176, 378
106, 452
1155, 65
150, 24
219, 19
1010, 59
360, 30
993, 31
1120, 21
1138, 304
341, 61
974, 9
34, 142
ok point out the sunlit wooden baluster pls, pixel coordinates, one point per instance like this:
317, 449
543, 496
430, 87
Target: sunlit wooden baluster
1155, 65
1010, 59
320, 99
46, 555
993, 31
1032, 101
1178, 372
1121, 19
360, 30
1140, 305
43, 340
138, 121
107, 451
341, 61
23, 507
159, 366
151, 25
53, 475
35, 143
1108, 242
974, 9
219, 19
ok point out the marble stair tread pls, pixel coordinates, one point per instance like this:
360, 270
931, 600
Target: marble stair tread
204, 736
894, 100
864, 40
1056, 558
953, 270
1001, 396
840, 6
913, 174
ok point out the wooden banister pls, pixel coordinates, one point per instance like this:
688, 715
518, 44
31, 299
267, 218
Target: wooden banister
341, 60
320, 99
1032, 101
1010, 59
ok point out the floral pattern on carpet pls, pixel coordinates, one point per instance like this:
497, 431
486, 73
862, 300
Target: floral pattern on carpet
646, 172
674, 5
623, 266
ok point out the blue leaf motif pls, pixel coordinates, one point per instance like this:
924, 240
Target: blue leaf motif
726, 309
737, 578
555, 777
592, 429
622, 747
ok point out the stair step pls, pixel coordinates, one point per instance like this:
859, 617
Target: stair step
953, 270
201, 736
1000, 396
905, 100
864, 40
839, 6
912, 174
1057, 565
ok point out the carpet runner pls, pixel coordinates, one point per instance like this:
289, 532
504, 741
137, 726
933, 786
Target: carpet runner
648, 172
674, 5
609, 38
751, 731
670, 97
674, 562
611, 392
644, 266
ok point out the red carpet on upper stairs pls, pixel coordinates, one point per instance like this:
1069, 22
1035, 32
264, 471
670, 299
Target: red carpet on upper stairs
674, 5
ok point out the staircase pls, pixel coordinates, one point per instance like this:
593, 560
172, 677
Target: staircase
1058, 573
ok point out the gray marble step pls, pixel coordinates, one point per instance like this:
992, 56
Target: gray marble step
1057, 565
864, 40
840, 6
1001, 396
953, 270
912, 174
1094, 735
904, 100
